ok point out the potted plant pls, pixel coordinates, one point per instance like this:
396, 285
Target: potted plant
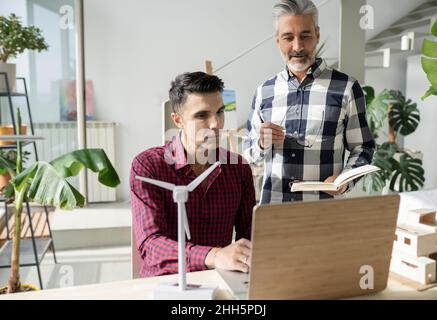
14, 39
46, 183
401, 169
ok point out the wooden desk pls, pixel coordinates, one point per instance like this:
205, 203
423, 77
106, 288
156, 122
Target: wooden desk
142, 289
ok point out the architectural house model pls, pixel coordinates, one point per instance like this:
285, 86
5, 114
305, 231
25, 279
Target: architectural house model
415, 247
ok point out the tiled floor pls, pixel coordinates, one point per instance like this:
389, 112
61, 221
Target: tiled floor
78, 267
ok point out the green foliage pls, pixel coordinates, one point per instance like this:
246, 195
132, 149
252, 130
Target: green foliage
429, 62
47, 184
376, 181
404, 116
405, 174
408, 174
44, 185
8, 160
15, 38
377, 109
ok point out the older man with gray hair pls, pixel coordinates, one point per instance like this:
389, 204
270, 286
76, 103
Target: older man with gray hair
305, 117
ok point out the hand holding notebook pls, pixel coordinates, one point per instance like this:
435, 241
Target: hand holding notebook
343, 178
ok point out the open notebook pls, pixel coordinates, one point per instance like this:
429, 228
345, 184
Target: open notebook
343, 178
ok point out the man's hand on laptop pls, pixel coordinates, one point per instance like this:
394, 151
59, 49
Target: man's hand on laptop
235, 256
341, 190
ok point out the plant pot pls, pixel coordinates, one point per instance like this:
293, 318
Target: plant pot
8, 130
24, 287
11, 70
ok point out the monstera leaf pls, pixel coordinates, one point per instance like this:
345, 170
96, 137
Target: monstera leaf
46, 183
377, 108
408, 174
404, 116
429, 62
374, 181
383, 158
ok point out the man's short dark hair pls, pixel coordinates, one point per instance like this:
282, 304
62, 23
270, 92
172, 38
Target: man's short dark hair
192, 82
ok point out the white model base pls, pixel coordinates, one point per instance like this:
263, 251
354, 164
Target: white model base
419, 269
169, 291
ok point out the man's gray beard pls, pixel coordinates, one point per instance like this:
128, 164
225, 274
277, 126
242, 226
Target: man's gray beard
299, 67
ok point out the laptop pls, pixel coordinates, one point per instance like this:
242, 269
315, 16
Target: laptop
327, 249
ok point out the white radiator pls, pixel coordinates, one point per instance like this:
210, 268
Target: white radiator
61, 137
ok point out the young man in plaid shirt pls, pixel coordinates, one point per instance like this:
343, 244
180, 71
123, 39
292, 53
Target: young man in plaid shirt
307, 116
224, 200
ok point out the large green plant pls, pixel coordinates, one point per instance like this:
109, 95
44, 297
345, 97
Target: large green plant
429, 62
15, 38
398, 168
46, 183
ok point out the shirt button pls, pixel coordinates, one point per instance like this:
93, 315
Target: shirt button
292, 178
293, 155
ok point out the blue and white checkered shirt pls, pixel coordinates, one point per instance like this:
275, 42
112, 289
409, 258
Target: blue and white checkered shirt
324, 116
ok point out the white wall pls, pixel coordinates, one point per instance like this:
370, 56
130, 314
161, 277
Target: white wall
393, 77
386, 13
134, 49
389, 11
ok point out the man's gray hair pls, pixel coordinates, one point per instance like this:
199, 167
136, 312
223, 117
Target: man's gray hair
293, 7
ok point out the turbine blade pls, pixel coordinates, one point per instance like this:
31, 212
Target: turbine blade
193, 185
158, 183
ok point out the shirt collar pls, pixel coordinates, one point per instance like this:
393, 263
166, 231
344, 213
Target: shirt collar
315, 69
177, 155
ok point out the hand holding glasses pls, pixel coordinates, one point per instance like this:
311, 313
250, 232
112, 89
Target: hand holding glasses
298, 137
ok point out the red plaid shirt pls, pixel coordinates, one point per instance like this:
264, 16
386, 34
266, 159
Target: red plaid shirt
227, 201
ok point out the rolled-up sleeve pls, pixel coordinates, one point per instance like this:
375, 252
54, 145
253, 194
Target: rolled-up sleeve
252, 151
358, 137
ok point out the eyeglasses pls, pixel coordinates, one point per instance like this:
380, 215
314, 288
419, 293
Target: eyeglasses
300, 137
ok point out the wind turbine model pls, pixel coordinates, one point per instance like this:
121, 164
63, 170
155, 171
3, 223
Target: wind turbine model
180, 195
